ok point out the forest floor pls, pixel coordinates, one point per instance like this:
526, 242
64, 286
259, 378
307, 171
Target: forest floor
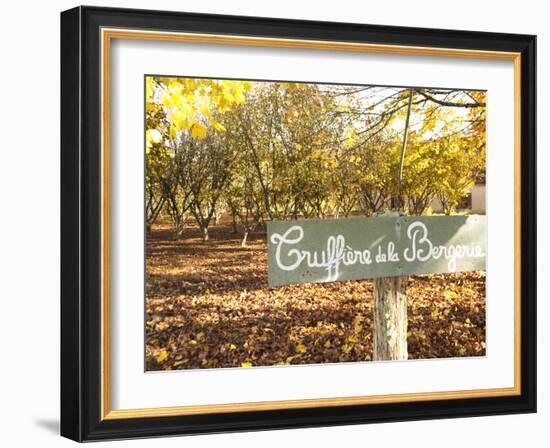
208, 306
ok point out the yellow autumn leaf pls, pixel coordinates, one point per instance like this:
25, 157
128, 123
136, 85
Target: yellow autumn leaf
180, 118
173, 132
353, 339
232, 346
301, 348
246, 364
198, 131
172, 99
204, 109
217, 125
450, 294
163, 355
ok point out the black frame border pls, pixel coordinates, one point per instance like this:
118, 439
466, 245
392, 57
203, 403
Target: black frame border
81, 223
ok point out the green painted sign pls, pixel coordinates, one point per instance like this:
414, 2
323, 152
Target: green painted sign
328, 250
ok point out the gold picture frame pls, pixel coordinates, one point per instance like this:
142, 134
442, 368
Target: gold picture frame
517, 49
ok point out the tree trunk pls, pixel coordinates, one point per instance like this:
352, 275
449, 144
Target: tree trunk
234, 218
204, 231
179, 226
390, 318
245, 237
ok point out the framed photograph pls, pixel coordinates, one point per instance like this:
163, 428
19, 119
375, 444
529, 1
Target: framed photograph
273, 223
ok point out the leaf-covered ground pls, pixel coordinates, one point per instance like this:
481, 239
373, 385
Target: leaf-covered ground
208, 306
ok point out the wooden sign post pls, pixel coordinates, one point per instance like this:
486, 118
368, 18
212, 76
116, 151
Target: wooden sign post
390, 314
390, 318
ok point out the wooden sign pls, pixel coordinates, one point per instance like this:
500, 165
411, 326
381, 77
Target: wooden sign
329, 250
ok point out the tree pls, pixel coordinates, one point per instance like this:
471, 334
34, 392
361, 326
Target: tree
154, 201
244, 198
206, 172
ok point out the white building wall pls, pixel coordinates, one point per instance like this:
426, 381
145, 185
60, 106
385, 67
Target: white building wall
478, 198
